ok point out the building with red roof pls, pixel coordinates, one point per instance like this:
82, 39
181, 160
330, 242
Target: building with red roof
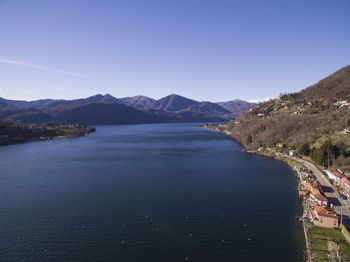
324, 217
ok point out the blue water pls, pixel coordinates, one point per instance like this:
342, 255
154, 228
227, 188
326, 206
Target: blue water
163, 192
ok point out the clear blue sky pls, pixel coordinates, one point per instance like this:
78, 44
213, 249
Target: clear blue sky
206, 50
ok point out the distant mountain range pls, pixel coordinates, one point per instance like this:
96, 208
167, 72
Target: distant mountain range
106, 110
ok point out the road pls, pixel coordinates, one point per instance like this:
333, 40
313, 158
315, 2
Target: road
340, 205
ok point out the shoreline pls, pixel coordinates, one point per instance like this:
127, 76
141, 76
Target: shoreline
291, 163
335, 241
18, 133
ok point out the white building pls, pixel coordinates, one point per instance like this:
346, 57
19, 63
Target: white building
335, 176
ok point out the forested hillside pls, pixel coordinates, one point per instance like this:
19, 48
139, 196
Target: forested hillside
314, 122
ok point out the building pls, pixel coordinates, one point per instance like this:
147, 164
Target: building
292, 152
343, 180
261, 148
303, 193
335, 176
346, 188
324, 217
318, 198
342, 103
310, 184
280, 145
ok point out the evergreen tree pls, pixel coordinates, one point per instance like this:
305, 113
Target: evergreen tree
303, 149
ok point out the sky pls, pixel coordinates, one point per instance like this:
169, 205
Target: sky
208, 50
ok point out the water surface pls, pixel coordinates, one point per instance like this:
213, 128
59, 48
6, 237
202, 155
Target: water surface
164, 192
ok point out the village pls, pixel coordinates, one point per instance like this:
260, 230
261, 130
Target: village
325, 193
318, 209
286, 103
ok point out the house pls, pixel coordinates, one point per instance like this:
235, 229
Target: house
324, 217
342, 103
318, 198
280, 145
310, 184
347, 130
303, 193
342, 181
292, 152
261, 148
346, 188
335, 176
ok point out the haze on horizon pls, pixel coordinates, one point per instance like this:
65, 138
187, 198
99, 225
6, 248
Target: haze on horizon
205, 50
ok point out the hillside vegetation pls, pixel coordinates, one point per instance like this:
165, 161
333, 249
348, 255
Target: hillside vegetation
13, 133
313, 121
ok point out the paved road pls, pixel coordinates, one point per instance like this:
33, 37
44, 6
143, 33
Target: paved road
340, 205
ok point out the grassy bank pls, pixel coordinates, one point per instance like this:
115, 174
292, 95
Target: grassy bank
319, 242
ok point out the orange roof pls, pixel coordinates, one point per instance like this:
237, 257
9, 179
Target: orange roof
325, 211
312, 183
343, 179
317, 194
320, 197
303, 193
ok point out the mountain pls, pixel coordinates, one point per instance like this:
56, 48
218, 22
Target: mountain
173, 103
137, 101
207, 108
51, 103
22, 114
236, 106
21, 103
102, 114
331, 88
316, 118
106, 109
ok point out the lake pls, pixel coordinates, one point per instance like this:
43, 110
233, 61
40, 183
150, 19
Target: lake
162, 192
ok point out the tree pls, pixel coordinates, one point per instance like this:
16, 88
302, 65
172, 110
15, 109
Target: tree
330, 150
318, 155
249, 139
322, 155
303, 149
